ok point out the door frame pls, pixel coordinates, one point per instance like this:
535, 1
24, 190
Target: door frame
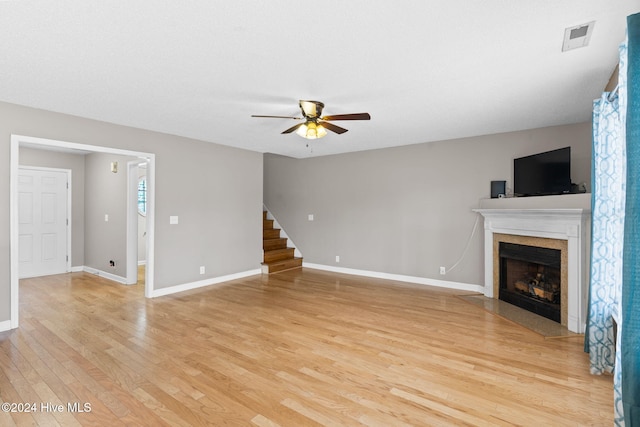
69, 197
44, 143
132, 220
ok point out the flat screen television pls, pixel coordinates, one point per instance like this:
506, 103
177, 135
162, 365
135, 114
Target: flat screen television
543, 174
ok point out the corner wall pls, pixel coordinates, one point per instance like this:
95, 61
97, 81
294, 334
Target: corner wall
406, 210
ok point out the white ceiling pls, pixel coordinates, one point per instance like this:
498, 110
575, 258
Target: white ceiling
424, 70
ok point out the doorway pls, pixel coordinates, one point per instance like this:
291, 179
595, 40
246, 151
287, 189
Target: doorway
18, 141
43, 215
137, 205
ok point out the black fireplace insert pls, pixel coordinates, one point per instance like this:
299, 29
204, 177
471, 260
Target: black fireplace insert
530, 278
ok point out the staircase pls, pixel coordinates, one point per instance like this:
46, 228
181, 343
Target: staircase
277, 256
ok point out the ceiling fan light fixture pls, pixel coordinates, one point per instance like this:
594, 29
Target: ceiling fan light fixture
316, 125
311, 130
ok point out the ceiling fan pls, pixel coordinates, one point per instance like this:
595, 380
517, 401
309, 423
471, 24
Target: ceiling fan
315, 125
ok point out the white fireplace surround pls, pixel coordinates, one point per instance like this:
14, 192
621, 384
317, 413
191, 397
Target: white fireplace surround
572, 225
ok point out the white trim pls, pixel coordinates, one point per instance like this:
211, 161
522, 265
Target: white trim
77, 269
32, 140
16, 142
398, 277
132, 221
142, 262
202, 283
149, 272
105, 274
5, 326
14, 235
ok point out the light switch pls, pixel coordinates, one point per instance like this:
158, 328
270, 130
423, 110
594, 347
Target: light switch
310, 217
173, 219
106, 217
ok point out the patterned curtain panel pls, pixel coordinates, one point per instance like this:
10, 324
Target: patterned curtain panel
607, 204
630, 313
608, 198
617, 374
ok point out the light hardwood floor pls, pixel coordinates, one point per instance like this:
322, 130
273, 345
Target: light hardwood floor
297, 348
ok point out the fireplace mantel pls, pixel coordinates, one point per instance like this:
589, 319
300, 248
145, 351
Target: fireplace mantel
572, 225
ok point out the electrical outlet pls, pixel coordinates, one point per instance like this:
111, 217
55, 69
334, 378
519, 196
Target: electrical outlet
337, 258
443, 270
310, 216
202, 269
112, 263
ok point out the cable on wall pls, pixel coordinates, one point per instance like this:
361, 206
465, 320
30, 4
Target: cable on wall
473, 232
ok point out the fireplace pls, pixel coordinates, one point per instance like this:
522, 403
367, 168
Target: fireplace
530, 278
566, 230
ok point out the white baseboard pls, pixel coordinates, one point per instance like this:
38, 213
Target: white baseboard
105, 274
202, 283
399, 277
77, 269
5, 326
142, 262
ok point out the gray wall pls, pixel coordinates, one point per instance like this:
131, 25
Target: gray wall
405, 210
106, 194
74, 162
215, 190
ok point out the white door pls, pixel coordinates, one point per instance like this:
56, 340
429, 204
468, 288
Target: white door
43, 222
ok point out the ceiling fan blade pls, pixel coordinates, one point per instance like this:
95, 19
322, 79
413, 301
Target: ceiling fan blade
277, 117
355, 116
293, 128
333, 128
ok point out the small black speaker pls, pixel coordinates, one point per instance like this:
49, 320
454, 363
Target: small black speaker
498, 189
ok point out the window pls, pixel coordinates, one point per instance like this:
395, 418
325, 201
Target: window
142, 196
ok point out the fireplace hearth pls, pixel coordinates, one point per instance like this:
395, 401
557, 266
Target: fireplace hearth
530, 278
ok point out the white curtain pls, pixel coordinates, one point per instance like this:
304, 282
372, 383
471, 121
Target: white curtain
607, 233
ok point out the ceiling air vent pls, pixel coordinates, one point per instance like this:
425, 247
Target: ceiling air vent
578, 36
